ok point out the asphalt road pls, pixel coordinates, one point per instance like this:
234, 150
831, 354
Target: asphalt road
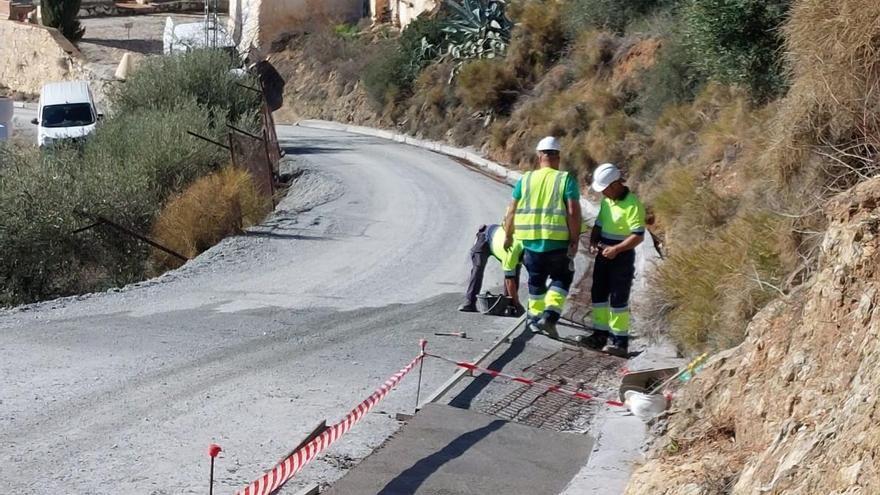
256, 341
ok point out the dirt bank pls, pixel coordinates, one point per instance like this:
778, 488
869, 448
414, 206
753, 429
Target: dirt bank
794, 409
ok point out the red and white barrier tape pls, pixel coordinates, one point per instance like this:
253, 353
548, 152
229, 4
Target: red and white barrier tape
287, 468
527, 381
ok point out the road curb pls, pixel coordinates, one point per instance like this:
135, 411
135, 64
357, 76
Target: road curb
507, 175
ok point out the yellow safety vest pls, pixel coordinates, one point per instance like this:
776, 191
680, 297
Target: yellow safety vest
540, 212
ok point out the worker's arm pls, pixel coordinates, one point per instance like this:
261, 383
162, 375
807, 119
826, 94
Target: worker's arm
573, 215
510, 263
508, 223
595, 238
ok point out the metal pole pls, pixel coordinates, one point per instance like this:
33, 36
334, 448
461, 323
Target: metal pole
211, 486
422, 344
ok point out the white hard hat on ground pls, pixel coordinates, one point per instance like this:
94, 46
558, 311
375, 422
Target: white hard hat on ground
605, 175
549, 143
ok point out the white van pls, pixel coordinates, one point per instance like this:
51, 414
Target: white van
66, 111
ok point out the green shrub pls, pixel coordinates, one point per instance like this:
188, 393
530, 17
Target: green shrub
396, 64
203, 75
672, 80
346, 31
62, 15
612, 15
125, 172
486, 85
739, 42
145, 156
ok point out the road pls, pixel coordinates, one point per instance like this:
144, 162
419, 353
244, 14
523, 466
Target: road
254, 342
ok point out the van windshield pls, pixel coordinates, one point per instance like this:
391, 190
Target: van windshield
67, 115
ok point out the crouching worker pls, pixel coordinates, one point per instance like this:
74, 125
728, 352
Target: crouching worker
620, 227
490, 242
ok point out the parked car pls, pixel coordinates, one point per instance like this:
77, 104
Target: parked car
66, 111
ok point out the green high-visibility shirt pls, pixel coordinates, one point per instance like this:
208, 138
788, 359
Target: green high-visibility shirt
620, 219
570, 192
509, 259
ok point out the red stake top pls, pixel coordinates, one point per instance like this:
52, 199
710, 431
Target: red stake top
214, 450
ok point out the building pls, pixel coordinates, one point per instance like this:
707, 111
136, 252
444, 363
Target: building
399, 12
255, 24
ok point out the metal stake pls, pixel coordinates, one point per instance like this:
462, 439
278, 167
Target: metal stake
211, 486
422, 344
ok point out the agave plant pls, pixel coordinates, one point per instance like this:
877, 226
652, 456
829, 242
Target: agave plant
477, 29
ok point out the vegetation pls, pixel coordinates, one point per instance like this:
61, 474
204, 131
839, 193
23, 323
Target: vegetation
138, 158
62, 15
212, 208
734, 119
739, 42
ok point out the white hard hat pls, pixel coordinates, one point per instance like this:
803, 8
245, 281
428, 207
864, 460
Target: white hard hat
549, 143
605, 175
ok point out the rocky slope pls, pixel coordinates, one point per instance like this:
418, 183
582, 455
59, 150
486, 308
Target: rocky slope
793, 409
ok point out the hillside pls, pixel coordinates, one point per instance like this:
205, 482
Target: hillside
751, 130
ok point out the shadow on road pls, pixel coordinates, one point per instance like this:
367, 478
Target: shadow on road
279, 235
134, 45
410, 480
467, 396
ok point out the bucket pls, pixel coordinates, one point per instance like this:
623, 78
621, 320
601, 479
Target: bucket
492, 304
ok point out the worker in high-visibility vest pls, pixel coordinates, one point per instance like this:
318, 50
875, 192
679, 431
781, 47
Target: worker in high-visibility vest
620, 227
489, 242
545, 214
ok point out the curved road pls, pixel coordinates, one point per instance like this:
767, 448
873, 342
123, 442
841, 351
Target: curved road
256, 341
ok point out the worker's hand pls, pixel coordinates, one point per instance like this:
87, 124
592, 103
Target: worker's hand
610, 252
508, 242
572, 249
594, 249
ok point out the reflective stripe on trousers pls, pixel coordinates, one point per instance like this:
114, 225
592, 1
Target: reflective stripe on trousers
544, 299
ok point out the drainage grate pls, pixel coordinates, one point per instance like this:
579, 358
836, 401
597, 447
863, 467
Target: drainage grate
576, 370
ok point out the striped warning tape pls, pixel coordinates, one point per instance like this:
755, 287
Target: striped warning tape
527, 381
292, 464
287, 468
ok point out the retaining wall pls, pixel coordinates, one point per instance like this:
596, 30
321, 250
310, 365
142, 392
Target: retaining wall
31, 55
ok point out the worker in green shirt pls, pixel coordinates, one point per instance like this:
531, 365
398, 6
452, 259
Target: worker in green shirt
545, 214
620, 227
490, 242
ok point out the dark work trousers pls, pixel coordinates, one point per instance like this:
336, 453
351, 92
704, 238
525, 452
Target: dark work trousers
612, 283
480, 254
544, 299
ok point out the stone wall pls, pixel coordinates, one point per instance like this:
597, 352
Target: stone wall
257, 23
31, 55
97, 8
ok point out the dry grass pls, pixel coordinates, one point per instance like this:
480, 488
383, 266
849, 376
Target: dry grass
714, 284
209, 210
486, 85
834, 53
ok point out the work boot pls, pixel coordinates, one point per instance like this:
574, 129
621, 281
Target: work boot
532, 324
548, 326
596, 340
616, 350
468, 307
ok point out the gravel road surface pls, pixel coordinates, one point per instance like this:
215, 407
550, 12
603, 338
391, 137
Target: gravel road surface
256, 341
